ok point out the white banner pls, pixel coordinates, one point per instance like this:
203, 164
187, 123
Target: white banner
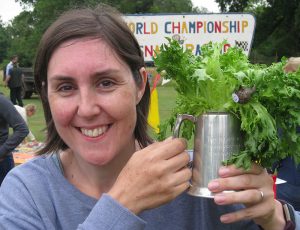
192, 30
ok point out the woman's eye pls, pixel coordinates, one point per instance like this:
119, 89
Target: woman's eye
106, 84
65, 88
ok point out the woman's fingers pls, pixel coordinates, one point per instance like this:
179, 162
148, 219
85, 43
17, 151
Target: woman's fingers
253, 188
259, 204
237, 179
246, 213
178, 161
168, 148
180, 177
232, 170
250, 196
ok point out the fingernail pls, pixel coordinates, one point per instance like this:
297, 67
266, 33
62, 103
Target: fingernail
225, 219
223, 171
219, 198
213, 185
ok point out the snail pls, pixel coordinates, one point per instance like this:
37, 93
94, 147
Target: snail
243, 95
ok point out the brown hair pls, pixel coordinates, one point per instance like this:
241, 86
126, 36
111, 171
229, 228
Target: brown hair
103, 22
30, 107
13, 57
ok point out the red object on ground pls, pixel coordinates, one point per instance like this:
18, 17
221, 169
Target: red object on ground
20, 158
274, 184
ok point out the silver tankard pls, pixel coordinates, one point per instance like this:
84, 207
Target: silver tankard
217, 136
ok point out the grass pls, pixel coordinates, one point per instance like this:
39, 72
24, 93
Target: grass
36, 122
166, 100
166, 95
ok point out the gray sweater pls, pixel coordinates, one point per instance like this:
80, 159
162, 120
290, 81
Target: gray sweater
36, 195
9, 117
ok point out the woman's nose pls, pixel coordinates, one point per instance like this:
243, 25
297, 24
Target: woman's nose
88, 105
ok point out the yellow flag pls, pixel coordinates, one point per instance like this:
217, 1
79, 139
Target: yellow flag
153, 117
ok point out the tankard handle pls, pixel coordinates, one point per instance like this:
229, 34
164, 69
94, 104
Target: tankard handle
179, 120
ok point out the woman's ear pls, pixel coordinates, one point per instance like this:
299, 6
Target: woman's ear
141, 87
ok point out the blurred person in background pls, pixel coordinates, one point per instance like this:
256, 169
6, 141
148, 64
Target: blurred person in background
27, 111
288, 169
9, 117
13, 59
14, 80
292, 65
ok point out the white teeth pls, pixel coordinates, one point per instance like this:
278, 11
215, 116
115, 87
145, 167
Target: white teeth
94, 132
90, 133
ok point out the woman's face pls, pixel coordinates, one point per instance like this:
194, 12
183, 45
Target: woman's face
93, 98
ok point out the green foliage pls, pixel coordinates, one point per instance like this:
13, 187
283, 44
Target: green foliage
23, 35
280, 35
4, 43
277, 24
277, 27
232, 5
243, 5
206, 83
22, 41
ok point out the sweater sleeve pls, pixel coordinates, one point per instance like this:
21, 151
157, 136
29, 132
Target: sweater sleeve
297, 220
25, 207
16, 122
109, 214
17, 208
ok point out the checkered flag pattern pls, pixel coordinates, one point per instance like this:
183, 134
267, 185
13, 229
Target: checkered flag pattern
242, 44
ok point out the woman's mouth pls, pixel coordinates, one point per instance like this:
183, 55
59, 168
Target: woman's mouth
94, 132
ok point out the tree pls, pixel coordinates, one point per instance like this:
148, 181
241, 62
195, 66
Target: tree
4, 43
278, 29
28, 27
232, 5
277, 25
22, 33
240, 5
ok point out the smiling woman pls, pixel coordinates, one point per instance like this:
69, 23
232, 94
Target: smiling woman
99, 168
99, 100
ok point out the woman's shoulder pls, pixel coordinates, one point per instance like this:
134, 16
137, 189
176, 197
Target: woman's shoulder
35, 161
37, 169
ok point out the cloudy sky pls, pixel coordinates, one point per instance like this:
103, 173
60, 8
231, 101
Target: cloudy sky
211, 5
9, 8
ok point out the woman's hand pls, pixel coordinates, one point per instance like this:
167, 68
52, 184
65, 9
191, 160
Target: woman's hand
254, 189
153, 176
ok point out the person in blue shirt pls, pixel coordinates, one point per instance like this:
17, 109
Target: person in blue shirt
14, 81
91, 77
9, 66
289, 171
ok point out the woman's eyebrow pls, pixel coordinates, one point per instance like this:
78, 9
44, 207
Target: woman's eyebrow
60, 78
107, 72
110, 72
